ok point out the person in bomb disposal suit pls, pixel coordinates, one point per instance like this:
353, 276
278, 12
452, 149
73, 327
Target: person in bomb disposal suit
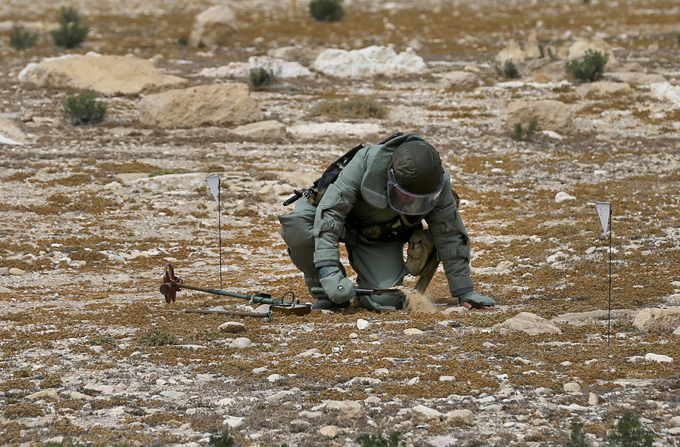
375, 206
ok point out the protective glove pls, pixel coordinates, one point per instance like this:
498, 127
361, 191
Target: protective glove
476, 300
338, 288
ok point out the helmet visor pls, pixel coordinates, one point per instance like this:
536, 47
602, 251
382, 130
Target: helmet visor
409, 203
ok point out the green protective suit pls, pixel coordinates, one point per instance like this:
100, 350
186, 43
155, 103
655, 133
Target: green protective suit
357, 200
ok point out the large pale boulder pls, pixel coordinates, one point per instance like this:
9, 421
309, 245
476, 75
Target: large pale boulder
262, 131
551, 115
107, 75
216, 26
215, 105
368, 62
320, 130
666, 92
278, 67
655, 319
603, 88
9, 133
532, 48
637, 79
531, 324
579, 48
513, 52
459, 79
297, 53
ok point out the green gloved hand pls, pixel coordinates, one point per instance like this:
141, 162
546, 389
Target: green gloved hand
476, 301
338, 288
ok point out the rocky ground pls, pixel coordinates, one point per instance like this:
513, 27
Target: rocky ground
91, 352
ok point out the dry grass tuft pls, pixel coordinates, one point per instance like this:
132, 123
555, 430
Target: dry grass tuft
352, 108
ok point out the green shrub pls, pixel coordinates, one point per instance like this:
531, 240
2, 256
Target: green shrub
83, 109
353, 108
20, 39
183, 40
521, 134
588, 69
102, 340
260, 78
222, 441
629, 432
71, 33
578, 437
509, 71
367, 440
157, 338
326, 10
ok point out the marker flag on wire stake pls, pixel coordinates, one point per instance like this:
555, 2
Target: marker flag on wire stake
604, 210
214, 183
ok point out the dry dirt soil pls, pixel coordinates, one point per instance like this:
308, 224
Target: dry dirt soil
87, 235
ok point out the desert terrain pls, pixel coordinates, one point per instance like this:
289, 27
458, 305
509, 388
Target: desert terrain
91, 353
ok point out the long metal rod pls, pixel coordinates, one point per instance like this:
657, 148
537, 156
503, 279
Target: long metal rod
228, 312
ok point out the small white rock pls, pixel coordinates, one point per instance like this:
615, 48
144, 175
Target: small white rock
233, 421
308, 353
16, 272
447, 378
353, 336
232, 327
562, 197
274, 378
241, 343
591, 250
329, 431
593, 400
658, 358
363, 324
413, 331
572, 388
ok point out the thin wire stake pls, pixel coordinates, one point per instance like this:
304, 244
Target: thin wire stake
219, 230
609, 306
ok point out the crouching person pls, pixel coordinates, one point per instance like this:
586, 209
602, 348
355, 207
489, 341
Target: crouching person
376, 204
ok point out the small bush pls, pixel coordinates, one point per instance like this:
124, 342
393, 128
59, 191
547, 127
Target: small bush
260, 78
222, 441
354, 108
629, 432
71, 33
588, 69
509, 71
23, 409
366, 440
51, 382
72, 443
83, 109
326, 10
183, 40
157, 338
102, 340
20, 39
578, 437
521, 134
